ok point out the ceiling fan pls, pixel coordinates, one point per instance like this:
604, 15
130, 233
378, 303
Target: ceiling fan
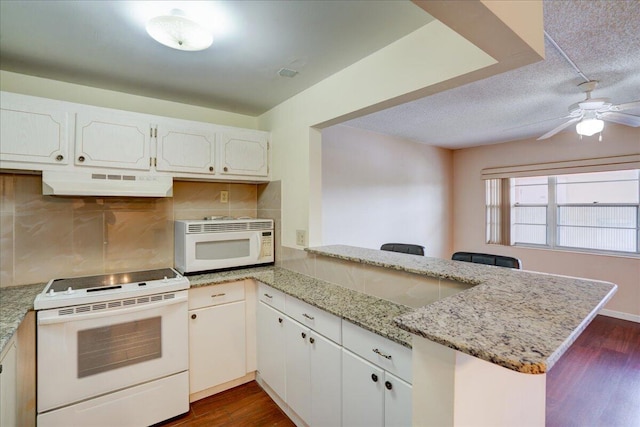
591, 113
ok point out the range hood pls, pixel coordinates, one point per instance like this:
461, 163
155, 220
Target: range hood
80, 183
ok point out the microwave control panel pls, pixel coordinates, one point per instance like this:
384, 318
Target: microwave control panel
267, 244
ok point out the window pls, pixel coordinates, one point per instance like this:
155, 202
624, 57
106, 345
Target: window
597, 211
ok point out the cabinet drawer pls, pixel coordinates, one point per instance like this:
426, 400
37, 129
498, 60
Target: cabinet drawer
314, 318
216, 294
385, 353
271, 296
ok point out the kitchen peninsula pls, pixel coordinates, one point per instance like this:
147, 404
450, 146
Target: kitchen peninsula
519, 320
481, 353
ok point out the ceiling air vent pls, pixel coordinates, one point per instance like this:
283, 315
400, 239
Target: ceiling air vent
287, 72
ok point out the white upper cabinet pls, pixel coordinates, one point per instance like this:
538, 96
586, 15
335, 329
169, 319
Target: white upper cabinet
43, 134
33, 131
244, 153
110, 139
184, 147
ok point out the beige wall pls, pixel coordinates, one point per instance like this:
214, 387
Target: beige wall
378, 189
63, 91
468, 207
44, 237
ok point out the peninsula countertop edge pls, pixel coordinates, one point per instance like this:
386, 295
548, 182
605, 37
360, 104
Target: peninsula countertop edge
518, 319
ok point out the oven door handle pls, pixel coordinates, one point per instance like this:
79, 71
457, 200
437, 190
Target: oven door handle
43, 320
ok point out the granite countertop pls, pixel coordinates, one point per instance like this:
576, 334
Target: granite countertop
521, 320
366, 311
15, 302
369, 312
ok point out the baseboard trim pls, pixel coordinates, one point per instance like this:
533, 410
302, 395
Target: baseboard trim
620, 315
221, 387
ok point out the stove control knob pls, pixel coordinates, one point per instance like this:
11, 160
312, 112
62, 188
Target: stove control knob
69, 291
165, 280
51, 293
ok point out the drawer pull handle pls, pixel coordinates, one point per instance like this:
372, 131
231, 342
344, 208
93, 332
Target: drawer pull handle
304, 335
279, 319
379, 353
388, 385
374, 378
268, 296
218, 295
312, 340
307, 316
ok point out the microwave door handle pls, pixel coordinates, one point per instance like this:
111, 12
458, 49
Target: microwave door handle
257, 236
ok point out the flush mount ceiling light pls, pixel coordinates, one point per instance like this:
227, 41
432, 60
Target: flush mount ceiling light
179, 32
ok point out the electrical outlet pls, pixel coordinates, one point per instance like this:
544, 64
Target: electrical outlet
224, 197
301, 237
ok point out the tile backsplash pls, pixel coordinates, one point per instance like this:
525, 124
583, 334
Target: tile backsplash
42, 237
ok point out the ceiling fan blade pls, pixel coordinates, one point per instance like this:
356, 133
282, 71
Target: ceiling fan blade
621, 118
536, 123
628, 106
559, 128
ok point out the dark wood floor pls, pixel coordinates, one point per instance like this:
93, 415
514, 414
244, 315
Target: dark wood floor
597, 381
245, 405
595, 384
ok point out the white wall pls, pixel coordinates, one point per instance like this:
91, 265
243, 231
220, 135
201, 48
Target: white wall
378, 189
469, 199
418, 60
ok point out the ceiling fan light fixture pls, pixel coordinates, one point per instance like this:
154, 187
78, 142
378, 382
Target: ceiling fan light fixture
179, 32
588, 127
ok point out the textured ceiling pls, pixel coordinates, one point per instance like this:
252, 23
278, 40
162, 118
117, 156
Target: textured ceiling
104, 44
601, 37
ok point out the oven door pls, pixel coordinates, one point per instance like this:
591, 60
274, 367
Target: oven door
89, 350
211, 251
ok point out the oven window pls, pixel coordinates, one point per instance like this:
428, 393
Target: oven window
224, 249
111, 347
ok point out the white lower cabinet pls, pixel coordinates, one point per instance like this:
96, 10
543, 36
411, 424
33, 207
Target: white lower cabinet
217, 335
371, 396
362, 392
313, 375
357, 378
271, 348
8, 386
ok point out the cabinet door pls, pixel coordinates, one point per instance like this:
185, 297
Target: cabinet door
8, 387
244, 153
33, 131
397, 402
113, 140
326, 376
362, 392
271, 348
185, 148
217, 345
298, 377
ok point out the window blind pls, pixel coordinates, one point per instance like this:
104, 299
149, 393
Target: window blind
601, 164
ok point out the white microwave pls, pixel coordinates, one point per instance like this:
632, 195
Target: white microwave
205, 245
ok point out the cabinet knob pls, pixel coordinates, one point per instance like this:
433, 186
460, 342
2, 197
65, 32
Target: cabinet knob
374, 377
59, 157
81, 159
193, 316
312, 340
304, 335
388, 385
226, 169
210, 168
279, 319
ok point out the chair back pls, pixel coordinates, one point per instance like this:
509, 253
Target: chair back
403, 248
489, 259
